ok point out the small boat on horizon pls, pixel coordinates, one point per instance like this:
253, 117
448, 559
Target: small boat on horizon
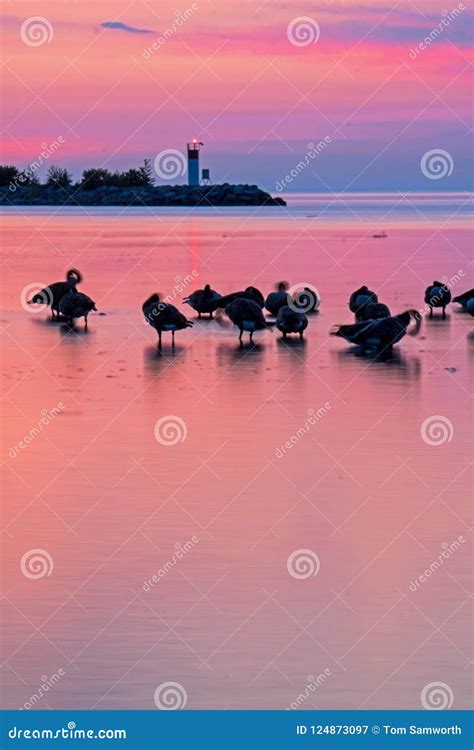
380, 235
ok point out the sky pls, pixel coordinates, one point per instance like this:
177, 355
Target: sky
256, 81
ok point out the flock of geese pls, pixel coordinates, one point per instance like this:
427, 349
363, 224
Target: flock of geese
375, 329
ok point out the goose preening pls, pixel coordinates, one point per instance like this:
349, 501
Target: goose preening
75, 305
374, 311
379, 335
306, 300
249, 293
290, 321
437, 295
51, 295
466, 300
203, 300
359, 299
164, 317
247, 315
276, 300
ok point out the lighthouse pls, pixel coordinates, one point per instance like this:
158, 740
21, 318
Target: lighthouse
193, 162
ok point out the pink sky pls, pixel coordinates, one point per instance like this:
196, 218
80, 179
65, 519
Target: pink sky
230, 76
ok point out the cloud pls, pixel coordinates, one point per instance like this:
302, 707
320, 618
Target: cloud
119, 26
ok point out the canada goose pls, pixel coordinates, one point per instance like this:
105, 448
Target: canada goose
359, 299
247, 315
203, 300
379, 335
290, 321
464, 299
374, 311
164, 317
306, 300
276, 300
437, 295
250, 293
51, 295
76, 305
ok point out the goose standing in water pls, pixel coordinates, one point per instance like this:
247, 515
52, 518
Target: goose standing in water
164, 317
466, 300
51, 295
290, 321
276, 300
75, 305
247, 315
374, 311
250, 293
437, 295
203, 300
379, 335
359, 299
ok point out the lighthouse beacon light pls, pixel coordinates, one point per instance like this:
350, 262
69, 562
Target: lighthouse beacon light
193, 162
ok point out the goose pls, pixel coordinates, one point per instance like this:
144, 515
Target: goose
374, 311
437, 295
359, 299
51, 295
276, 300
247, 315
290, 321
76, 305
379, 335
249, 293
465, 299
306, 300
203, 300
164, 317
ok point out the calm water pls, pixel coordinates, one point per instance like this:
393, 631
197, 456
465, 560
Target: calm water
225, 507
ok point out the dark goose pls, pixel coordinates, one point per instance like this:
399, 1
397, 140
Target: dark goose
51, 295
75, 305
437, 295
164, 317
379, 335
203, 300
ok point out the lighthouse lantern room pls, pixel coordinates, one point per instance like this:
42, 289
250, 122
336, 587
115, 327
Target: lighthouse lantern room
193, 162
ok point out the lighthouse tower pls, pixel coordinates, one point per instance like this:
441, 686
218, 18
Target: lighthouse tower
193, 162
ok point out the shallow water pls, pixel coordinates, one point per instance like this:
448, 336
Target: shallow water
227, 504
